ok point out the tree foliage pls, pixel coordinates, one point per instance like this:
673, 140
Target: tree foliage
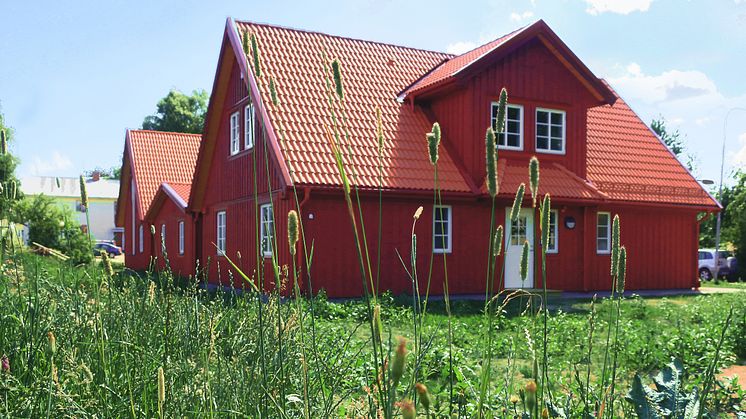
54, 226
10, 185
178, 112
674, 140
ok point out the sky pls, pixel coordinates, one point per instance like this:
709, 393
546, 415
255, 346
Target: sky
75, 75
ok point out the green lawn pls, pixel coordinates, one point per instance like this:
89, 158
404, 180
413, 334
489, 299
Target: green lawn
243, 356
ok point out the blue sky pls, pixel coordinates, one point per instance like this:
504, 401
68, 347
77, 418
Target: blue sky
75, 75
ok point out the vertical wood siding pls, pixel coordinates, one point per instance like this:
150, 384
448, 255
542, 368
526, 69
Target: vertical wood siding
171, 215
534, 78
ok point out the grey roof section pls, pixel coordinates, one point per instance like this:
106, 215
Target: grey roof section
69, 187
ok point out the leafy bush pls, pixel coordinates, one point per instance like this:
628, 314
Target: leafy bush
53, 226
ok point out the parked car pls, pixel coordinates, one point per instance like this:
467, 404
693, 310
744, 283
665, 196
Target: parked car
727, 264
109, 248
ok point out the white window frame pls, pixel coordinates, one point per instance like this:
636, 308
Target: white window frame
249, 126
549, 131
504, 134
553, 231
140, 233
448, 235
163, 237
266, 229
235, 129
181, 237
608, 232
220, 232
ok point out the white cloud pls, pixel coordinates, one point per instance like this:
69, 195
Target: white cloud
519, 17
670, 85
623, 7
458, 48
52, 165
739, 158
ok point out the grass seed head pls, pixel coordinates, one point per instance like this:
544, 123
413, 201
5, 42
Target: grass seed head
533, 174
491, 157
530, 390
152, 230
245, 43
502, 106
337, 74
517, 202
257, 58
83, 193
497, 245
161, 386
546, 208
524, 261
433, 143
292, 230
400, 356
3, 143
418, 213
377, 324
622, 269
52, 342
107, 264
407, 409
615, 246
273, 91
423, 394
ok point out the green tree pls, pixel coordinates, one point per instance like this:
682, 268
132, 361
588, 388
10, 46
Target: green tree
10, 186
111, 173
735, 228
178, 112
675, 141
53, 226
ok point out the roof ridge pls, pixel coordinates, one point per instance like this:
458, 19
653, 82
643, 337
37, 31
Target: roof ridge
349, 38
163, 132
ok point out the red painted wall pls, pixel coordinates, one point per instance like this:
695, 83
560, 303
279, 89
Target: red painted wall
533, 77
231, 188
180, 264
138, 261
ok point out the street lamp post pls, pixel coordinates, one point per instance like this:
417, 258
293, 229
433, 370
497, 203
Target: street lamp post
720, 192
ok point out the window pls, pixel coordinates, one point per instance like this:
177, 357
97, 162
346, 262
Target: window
181, 237
141, 238
603, 232
550, 131
553, 232
248, 134
220, 235
518, 233
235, 145
512, 138
442, 229
163, 238
267, 227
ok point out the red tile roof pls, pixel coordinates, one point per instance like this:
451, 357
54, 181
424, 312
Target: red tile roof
162, 157
182, 189
627, 161
556, 180
448, 69
373, 75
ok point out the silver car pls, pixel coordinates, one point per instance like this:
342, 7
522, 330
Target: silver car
726, 264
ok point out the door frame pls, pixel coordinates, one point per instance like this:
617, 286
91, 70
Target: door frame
530, 237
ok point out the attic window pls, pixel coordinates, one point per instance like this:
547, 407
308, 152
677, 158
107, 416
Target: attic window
512, 137
550, 131
235, 133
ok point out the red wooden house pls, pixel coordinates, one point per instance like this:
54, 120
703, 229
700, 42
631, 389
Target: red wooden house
597, 159
155, 182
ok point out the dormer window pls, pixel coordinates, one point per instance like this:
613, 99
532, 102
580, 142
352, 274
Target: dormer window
550, 131
512, 138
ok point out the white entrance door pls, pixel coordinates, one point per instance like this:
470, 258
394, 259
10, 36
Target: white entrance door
518, 233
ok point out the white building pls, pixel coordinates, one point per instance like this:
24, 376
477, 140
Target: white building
102, 199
